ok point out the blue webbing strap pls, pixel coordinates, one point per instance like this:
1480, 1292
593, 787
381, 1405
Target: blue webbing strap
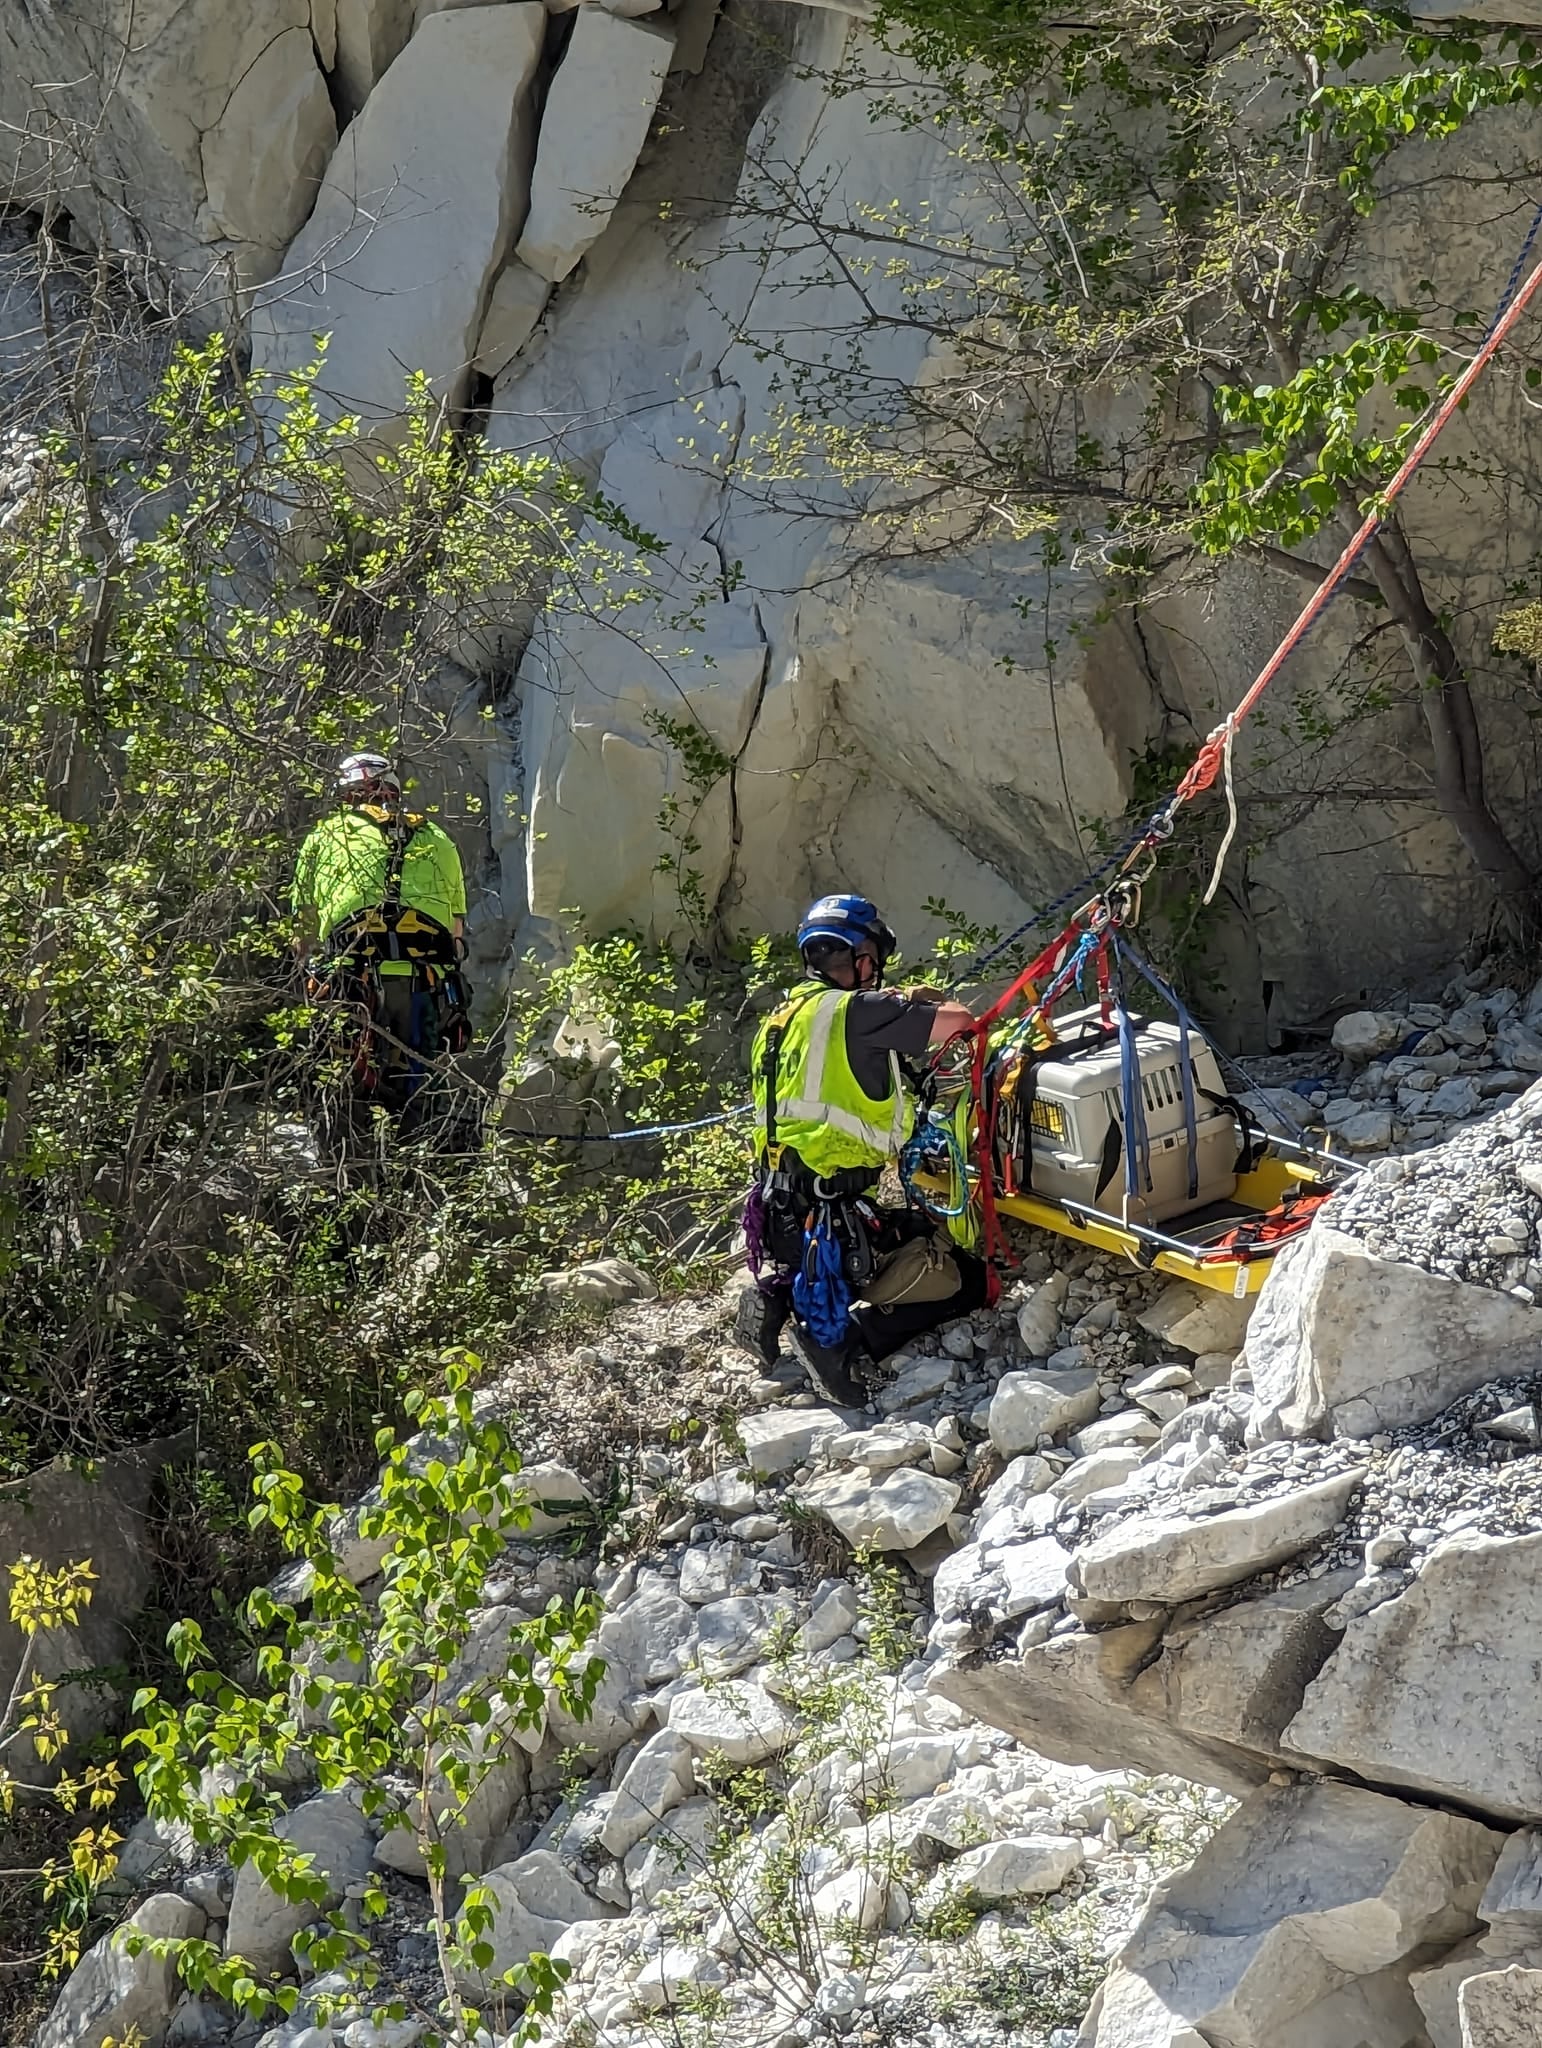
1186, 1026
1137, 1144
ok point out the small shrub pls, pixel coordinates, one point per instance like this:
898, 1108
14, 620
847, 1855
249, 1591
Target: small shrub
447, 1505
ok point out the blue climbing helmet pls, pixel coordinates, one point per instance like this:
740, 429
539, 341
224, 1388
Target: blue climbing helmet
849, 921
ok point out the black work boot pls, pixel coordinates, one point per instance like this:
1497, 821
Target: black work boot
828, 1367
759, 1320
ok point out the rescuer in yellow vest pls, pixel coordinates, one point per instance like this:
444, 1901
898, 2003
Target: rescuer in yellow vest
831, 1112
380, 905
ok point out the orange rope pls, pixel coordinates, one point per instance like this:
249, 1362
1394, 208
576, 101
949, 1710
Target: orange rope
1208, 761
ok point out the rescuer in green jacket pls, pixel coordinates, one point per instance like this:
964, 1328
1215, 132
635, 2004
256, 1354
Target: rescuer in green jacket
831, 1112
380, 907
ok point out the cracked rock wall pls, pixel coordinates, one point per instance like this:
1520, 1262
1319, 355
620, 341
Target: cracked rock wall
563, 216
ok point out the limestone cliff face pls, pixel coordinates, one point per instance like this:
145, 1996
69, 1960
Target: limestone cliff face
564, 219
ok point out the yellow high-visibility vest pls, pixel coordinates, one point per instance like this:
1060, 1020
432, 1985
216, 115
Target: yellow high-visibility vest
822, 1112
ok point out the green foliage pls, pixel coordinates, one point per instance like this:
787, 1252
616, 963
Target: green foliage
362, 1695
196, 616
1042, 1980
40, 1600
661, 1025
891, 1641
1203, 189
703, 765
1143, 268
961, 938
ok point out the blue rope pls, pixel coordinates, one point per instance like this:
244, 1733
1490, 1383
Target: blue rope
700, 1123
1513, 285
1066, 900
912, 1153
1137, 1142
820, 1294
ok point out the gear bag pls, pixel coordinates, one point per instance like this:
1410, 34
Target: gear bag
924, 1269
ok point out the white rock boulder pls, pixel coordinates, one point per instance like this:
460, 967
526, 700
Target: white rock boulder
193, 134
1344, 1343
550, 1494
535, 1900
996, 1584
1197, 1319
1038, 1318
1091, 1699
601, 1282
413, 219
1295, 1926
264, 158
1010, 1869
114, 1996
597, 117
641, 1645
1208, 1697
777, 1439
895, 1512
98, 1514
731, 1634
1099, 1470
467, 1822
1030, 1405
658, 1779
740, 1720
1364, 1035
601, 690
1435, 1690
883, 1448
1512, 1905
676, 1975
334, 1834
1169, 1559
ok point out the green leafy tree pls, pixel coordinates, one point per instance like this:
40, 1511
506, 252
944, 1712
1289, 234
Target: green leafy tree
363, 1695
40, 1600
1153, 343
654, 1042
197, 612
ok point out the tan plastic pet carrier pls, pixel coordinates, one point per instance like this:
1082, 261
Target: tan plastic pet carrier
1076, 1097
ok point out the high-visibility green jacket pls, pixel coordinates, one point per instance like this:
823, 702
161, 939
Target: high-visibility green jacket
822, 1112
345, 864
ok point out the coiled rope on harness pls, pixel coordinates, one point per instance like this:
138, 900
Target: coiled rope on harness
821, 1296
925, 1138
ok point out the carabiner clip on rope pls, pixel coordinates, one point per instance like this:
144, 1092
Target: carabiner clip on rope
1115, 908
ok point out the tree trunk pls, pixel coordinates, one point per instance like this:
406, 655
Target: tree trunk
1457, 745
